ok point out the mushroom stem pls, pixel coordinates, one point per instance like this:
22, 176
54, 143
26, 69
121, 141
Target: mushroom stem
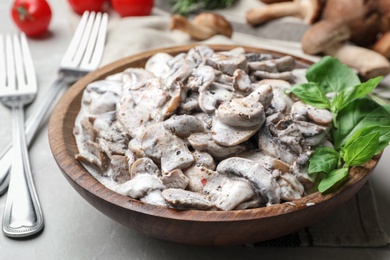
308, 10
382, 46
368, 63
204, 26
197, 32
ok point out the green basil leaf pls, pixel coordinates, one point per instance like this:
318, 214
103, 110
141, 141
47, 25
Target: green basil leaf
351, 93
331, 75
358, 114
311, 94
360, 148
332, 179
324, 159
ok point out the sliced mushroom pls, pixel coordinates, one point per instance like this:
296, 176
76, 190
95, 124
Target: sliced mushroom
198, 177
199, 53
184, 199
204, 142
183, 125
144, 165
175, 179
212, 96
234, 192
227, 62
161, 145
200, 78
204, 159
152, 105
285, 63
91, 154
158, 64
241, 81
262, 180
140, 186
304, 112
290, 187
264, 94
241, 112
286, 75
272, 146
120, 168
135, 78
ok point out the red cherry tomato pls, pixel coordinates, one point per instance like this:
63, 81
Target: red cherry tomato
80, 6
31, 16
132, 7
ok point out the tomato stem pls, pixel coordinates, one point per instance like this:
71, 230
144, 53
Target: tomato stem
23, 13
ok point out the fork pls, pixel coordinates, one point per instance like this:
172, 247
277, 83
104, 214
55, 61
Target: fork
82, 56
18, 87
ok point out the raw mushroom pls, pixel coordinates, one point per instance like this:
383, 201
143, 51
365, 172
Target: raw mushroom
308, 10
203, 27
262, 180
362, 17
318, 37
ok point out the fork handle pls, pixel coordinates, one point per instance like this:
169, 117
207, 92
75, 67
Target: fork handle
32, 126
22, 214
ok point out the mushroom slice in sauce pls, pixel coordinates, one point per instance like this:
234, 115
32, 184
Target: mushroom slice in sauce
184, 199
153, 105
183, 125
234, 191
204, 142
92, 155
213, 95
272, 146
135, 78
160, 144
200, 78
262, 180
158, 64
175, 179
290, 187
140, 186
144, 165
242, 112
227, 62
119, 168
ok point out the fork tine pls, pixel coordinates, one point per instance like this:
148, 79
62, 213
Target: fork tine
92, 40
96, 47
71, 51
2, 62
9, 52
19, 68
31, 80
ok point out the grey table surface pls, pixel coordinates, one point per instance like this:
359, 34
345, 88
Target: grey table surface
76, 230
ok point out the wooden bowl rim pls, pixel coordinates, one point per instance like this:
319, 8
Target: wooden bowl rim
75, 172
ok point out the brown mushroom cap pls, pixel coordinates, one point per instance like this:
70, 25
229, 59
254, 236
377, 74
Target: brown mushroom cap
382, 46
361, 16
323, 35
215, 22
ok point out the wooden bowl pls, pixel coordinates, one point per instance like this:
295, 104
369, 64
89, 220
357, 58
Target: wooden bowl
191, 226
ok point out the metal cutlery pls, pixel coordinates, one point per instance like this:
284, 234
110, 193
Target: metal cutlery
82, 56
18, 87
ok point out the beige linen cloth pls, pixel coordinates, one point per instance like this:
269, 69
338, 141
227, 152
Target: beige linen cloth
356, 223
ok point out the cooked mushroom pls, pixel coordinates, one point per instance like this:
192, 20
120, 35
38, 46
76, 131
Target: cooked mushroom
213, 95
158, 64
234, 191
227, 62
184, 199
308, 10
161, 145
120, 168
262, 180
135, 78
140, 186
141, 109
183, 125
144, 165
204, 25
175, 179
204, 142
305, 112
